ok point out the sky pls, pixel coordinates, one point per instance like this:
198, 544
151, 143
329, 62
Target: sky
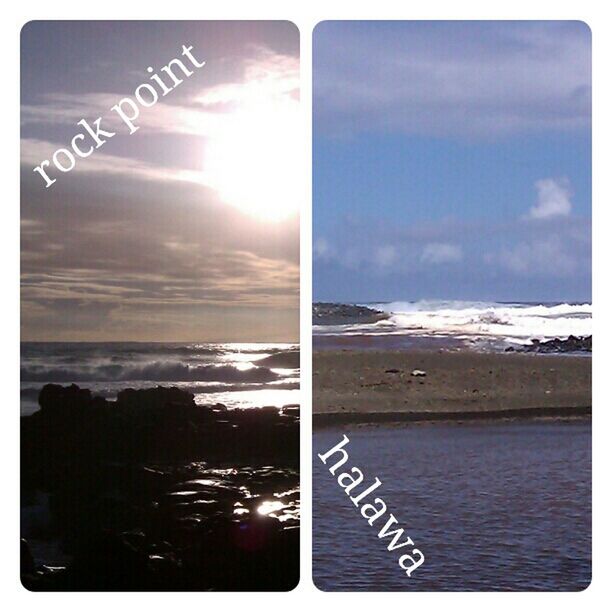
186, 230
452, 160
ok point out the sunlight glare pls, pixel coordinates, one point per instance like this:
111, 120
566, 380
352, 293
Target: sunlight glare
253, 161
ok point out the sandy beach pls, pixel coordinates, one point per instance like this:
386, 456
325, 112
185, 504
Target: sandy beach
363, 386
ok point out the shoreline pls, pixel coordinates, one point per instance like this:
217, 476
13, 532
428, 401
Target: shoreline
145, 492
334, 419
357, 387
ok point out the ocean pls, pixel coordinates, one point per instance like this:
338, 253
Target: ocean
480, 325
236, 375
492, 507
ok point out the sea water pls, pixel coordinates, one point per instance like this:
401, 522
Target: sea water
485, 325
502, 506
237, 375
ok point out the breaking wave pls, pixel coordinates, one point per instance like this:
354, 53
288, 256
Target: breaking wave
514, 323
244, 375
158, 371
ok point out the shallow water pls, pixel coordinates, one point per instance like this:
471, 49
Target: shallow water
492, 507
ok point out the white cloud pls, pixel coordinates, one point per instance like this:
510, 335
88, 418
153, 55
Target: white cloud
269, 78
553, 199
248, 128
33, 151
546, 256
441, 252
385, 256
322, 249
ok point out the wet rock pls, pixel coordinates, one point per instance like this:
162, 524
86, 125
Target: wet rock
143, 491
292, 410
571, 344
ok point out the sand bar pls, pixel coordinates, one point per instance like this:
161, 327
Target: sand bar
374, 386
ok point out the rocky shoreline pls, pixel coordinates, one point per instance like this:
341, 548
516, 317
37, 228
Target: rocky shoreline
327, 313
153, 492
571, 344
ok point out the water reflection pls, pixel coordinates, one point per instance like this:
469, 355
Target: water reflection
492, 507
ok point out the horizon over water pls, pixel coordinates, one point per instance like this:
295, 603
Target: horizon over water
239, 375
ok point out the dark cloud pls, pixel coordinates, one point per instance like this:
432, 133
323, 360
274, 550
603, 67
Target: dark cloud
106, 250
461, 79
134, 244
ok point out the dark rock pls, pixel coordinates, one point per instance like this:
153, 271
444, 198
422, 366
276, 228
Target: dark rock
291, 410
27, 561
143, 491
63, 402
326, 313
572, 344
152, 399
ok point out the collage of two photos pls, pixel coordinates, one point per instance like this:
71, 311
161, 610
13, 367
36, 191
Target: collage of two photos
161, 397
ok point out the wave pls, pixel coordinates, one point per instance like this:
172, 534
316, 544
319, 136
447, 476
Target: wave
287, 359
451, 306
158, 371
73, 352
511, 322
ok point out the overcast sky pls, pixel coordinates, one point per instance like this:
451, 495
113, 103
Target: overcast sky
182, 231
452, 161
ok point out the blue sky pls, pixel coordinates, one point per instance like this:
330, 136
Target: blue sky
452, 160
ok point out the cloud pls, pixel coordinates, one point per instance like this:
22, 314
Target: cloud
553, 199
133, 259
459, 79
138, 242
247, 127
545, 256
33, 151
385, 256
441, 253
322, 249
459, 259
266, 79
62, 109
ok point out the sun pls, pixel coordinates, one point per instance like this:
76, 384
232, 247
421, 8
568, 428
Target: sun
253, 160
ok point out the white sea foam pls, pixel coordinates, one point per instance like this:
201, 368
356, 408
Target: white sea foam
514, 323
206, 370
157, 371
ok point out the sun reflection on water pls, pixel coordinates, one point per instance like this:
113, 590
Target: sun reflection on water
269, 507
